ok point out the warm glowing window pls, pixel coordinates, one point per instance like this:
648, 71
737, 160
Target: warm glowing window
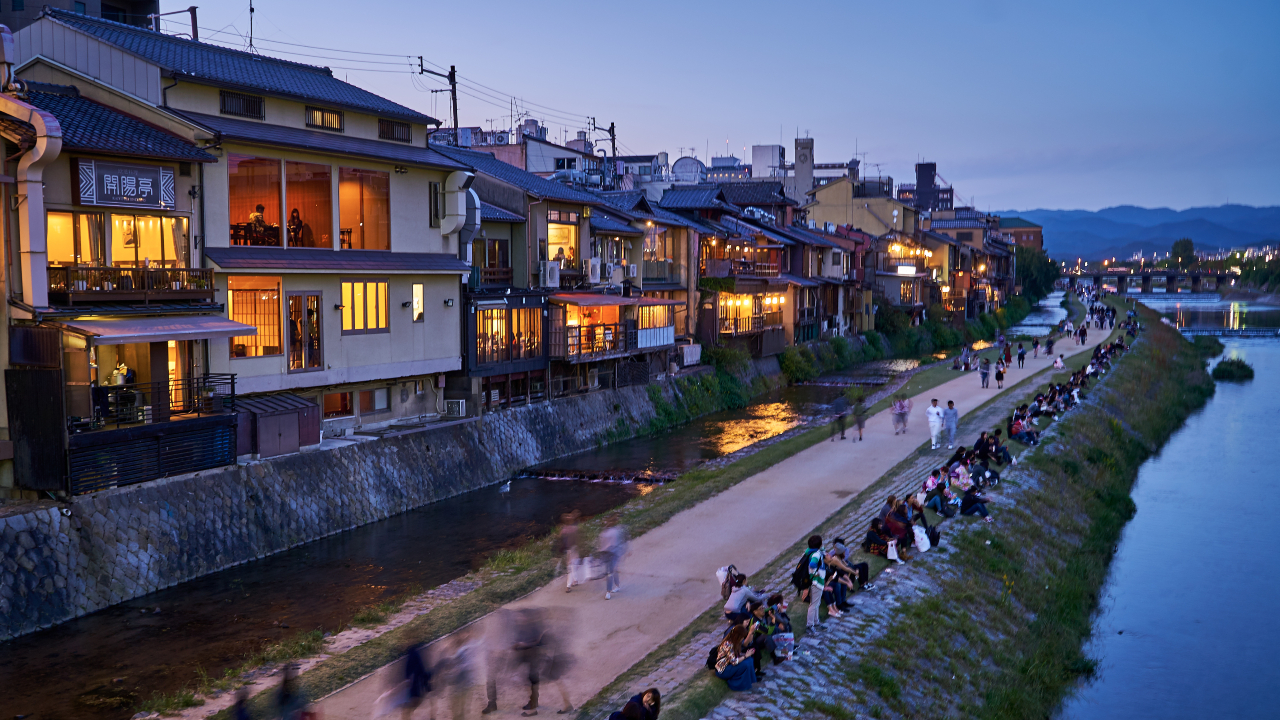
324, 119
309, 191
338, 405
655, 316
364, 307
253, 192
418, 302
562, 244
364, 207
503, 335
148, 241
305, 348
74, 238
255, 301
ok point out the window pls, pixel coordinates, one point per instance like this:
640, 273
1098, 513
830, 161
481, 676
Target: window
184, 169
395, 130
241, 105
253, 192
112, 12
22, 5
364, 209
364, 307
566, 163
964, 237
374, 401
907, 293
417, 302
562, 243
504, 335
148, 241
80, 8
420, 387
338, 405
654, 316
74, 238
561, 216
305, 327
309, 191
255, 301
324, 119
436, 204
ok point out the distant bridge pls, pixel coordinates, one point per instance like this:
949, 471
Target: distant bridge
1124, 280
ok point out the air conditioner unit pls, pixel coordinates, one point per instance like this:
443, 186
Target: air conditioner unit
549, 274
593, 271
813, 224
633, 270
455, 408
615, 274
501, 139
829, 227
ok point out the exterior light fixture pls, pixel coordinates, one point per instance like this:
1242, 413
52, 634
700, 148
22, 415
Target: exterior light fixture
448, 302
337, 306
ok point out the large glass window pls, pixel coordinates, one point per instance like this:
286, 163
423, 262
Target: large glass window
492, 343
338, 405
364, 209
375, 401
526, 333
562, 243
304, 332
364, 307
149, 241
309, 191
255, 301
253, 188
503, 335
74, 238
654, 316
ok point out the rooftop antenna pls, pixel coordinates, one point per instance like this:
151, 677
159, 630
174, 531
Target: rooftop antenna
250, 23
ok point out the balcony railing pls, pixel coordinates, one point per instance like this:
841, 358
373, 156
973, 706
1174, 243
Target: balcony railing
741, 325
72, 284
806, 314
583, 342
491, 277
663, 271
891, 264
142, 403
720, 268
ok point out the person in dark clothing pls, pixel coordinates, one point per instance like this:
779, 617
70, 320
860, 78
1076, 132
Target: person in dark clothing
419, 677
761, 636
974, 504
877, 541
240, 710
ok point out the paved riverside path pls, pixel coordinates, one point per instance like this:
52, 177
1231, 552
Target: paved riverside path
669, 576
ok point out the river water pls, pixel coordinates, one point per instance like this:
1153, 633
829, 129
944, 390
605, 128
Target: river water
1189, 622
1043, 317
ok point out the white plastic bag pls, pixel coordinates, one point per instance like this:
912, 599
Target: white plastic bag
922, 538
892, 552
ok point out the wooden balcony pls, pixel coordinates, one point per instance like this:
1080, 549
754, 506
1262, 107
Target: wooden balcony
582, 343
69, 285
491, 277
722, 268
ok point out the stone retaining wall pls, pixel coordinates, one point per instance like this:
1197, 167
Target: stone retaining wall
57, 563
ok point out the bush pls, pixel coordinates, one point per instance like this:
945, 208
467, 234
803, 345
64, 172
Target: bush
1207, 345
937, 313
727, 359
796, 366
892, 321
989, 324
1233, 370
876, 347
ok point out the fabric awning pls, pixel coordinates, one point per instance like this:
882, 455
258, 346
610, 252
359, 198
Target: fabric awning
159, 329
593, 300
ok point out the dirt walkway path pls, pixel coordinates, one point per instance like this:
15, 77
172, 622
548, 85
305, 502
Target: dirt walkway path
669, 579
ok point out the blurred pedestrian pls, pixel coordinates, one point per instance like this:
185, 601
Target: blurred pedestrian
901, 408
613, 545
240, 710
418, 676
950, 420
569, 539
289, 700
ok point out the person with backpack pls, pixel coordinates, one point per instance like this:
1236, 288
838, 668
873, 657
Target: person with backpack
810, 577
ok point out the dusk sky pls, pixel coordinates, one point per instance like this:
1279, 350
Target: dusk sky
1022, 104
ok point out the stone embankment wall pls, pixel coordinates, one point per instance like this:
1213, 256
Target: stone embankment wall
57, 563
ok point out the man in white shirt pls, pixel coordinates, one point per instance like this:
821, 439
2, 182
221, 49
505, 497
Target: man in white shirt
933, 414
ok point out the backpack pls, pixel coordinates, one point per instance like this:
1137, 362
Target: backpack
712, 656
935, 535
726, 575
801, 578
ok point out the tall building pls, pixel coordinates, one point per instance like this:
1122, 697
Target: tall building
17, 14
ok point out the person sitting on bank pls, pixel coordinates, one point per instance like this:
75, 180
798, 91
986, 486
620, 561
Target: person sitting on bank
733, 663
974, 504
877, 541
760, 630
735, 608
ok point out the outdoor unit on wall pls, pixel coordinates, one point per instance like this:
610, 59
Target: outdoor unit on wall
593, 271
615, 274
633, 270
455, 408
549, 275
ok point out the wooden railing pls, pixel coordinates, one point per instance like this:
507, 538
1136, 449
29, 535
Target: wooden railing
490, 277
717, 267
584, 341
73, 284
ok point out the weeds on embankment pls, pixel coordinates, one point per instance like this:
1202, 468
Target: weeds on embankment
1004, 637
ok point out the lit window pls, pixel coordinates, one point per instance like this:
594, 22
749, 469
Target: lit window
74, 238
305, 328
364, 307
418, 302
255, 301
562, 243
324, 119
374, 401
364, 209
338, 405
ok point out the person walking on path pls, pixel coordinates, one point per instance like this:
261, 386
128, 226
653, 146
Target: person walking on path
901, 407
1035, 347
933, 414
950, 420
1022, 356
613, 545
1000, 374
840, 417
859, 409
1084, 335
570, 547
1008, 354
984, 372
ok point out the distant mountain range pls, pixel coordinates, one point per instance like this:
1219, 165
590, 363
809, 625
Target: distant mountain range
1125, 229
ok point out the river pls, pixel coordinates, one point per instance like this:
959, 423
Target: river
1043, 317
1188, 625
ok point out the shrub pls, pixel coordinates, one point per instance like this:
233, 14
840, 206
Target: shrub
1207, 345
1233, 370
989, 324
892, 321
727, 359
797, 365
876, 347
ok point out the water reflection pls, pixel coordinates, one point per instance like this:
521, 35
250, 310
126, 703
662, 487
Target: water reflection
1043, 317
1229, 316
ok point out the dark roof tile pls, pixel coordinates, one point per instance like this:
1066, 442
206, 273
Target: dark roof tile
497, 214
755, 192
512, 175
339, 260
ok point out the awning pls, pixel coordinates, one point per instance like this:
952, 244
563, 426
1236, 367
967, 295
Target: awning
650, 302
796, 280
159, 329
594, 300
490, 304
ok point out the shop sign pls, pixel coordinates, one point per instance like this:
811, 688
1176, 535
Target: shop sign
124, 185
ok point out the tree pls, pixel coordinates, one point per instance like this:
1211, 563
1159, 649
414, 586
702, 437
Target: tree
1183, 253
1035, 272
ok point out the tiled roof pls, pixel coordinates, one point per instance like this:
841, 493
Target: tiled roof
497, 214
339, 260
512, 175
219, 65
958, 224
321, 141
809, 237
696, 197
610, 225
755, 192
90, 127
1016, 222
746, 228
635, 202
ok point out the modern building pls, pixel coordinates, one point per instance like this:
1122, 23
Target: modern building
17, 14
1022, 232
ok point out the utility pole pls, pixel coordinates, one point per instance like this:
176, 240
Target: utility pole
613, 148
452, 77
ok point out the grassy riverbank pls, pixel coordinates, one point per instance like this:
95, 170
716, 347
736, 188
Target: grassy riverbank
1003, 636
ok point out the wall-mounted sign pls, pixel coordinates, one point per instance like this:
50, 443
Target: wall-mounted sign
124, 184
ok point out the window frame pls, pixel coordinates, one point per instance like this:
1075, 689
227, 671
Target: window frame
387, 128
418, 302
288, 296
435, 204
348, 295
247, 99
321, 115
351, 406
280, 305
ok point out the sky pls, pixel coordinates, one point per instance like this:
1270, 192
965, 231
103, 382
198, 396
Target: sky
1023, 105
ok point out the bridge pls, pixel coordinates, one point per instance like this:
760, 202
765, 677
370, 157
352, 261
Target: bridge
1124, 279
